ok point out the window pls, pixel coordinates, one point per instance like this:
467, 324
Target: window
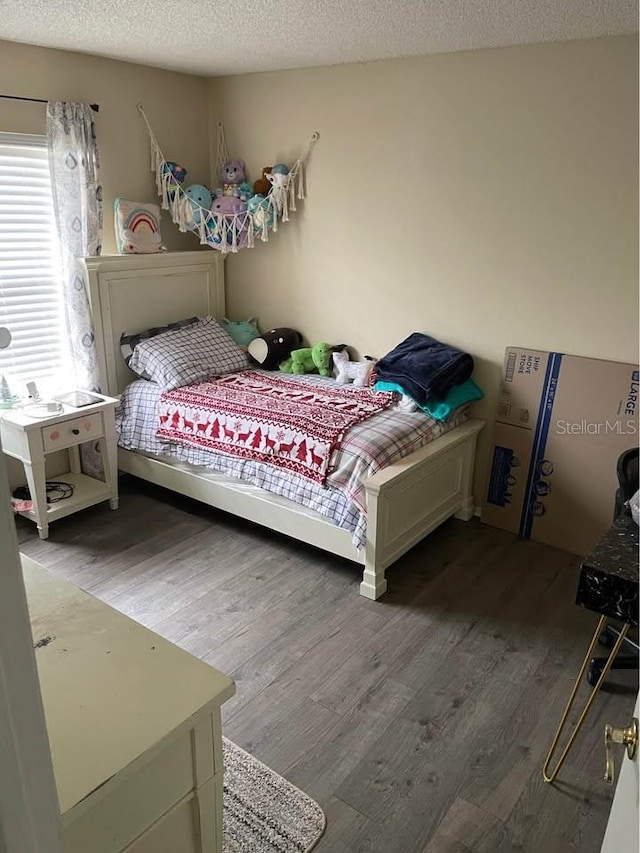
31, 304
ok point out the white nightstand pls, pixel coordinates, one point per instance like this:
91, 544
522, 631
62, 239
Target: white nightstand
30, 439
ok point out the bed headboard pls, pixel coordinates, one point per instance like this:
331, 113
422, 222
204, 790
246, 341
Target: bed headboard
129, 293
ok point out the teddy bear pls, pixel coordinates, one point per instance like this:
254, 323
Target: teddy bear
262, 185
358, 371
274, 346
232, 174
309, 360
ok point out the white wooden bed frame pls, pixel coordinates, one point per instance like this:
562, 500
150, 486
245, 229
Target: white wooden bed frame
405, 501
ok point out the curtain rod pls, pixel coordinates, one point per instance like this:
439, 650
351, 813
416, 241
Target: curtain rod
94, 107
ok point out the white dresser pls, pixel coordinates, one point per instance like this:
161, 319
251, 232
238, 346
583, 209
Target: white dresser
133, 724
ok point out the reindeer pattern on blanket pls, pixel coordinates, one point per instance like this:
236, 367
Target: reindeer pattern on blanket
271, 418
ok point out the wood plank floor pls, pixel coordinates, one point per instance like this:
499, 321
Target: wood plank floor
419, 722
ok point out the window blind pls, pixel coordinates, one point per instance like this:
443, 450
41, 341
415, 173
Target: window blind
31, 304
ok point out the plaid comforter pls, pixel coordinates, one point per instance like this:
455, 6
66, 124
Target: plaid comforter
367, 447
383, 440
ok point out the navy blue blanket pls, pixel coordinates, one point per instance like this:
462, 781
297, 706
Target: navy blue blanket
424, 367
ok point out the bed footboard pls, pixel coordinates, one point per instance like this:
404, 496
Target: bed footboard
408, 500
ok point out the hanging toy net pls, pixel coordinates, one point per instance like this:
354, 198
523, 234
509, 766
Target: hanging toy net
232, 217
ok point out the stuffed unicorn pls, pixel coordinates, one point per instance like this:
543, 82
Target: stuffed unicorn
346, 371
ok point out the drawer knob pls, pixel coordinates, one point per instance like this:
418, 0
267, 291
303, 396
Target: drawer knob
628, 737
55, 435
75, 431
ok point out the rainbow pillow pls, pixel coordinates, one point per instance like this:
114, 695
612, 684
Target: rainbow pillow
137, 228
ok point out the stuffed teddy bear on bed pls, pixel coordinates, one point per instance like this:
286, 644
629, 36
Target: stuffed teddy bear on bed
309, 360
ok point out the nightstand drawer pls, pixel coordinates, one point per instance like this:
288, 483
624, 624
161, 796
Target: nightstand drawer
67, 433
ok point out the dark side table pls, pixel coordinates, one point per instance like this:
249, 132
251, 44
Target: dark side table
608, 585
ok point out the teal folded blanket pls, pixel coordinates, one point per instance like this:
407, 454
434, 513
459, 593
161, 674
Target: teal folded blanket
440, 410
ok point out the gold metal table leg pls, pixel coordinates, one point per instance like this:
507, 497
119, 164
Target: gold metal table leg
550, 776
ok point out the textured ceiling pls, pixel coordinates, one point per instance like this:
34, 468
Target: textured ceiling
210, 37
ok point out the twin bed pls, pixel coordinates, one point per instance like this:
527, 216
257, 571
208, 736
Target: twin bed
393, 505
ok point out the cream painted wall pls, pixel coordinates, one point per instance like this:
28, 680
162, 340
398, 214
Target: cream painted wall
175, 105
488, 198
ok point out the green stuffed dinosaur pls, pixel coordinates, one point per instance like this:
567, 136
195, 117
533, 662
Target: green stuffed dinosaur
309, 360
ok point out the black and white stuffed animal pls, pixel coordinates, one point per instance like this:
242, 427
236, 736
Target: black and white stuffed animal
274, 346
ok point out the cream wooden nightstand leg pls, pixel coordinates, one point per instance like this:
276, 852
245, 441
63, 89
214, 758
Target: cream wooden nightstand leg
37, 482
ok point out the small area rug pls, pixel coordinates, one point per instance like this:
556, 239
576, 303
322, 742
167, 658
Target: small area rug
263, 813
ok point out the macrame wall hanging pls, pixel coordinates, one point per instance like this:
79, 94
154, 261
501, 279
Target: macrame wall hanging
236, 213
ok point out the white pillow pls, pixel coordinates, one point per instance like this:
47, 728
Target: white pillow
184, 356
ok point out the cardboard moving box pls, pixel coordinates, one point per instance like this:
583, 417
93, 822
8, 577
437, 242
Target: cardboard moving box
561, 423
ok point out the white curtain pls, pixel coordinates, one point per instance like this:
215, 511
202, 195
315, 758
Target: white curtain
77, 197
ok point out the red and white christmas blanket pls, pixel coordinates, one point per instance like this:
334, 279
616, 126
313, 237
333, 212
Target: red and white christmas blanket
268, 417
